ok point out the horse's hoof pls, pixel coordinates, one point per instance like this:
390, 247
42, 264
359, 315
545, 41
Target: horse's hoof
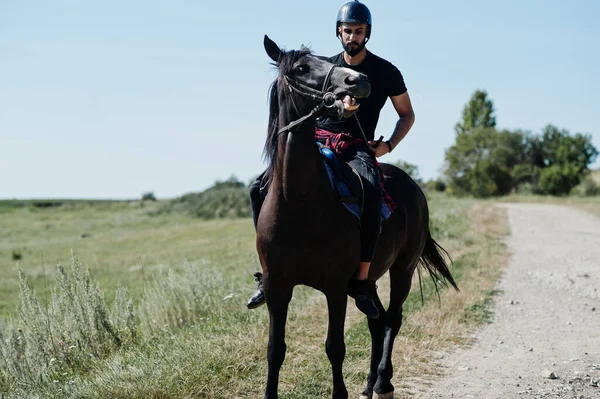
389, 395
365, 397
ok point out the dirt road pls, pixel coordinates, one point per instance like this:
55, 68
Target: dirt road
544, 340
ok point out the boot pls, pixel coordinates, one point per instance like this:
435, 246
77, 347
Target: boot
259, 296
363, 292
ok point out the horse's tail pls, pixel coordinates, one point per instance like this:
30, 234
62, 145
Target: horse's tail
433, 259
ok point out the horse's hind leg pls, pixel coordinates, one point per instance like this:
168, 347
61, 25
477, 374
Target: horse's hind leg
400, 283
334, 345
278, 297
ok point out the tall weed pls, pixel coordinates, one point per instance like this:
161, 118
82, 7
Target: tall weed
52, 340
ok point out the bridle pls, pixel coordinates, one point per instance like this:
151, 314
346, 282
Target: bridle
326, 98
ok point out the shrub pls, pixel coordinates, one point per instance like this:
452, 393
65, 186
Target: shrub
224, 200
16, 255
558, 179
588, 187
55, 339
149, 196
173, 300
436, 185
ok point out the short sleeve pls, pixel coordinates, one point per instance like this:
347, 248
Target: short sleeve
396, 85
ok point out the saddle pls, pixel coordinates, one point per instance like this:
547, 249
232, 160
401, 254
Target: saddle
347, 183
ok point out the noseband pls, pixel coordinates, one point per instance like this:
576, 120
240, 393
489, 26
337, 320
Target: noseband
326, 98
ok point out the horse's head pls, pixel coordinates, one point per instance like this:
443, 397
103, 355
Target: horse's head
313, 81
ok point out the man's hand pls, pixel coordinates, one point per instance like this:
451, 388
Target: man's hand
378, 148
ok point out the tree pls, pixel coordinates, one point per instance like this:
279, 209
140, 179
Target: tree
482, 160
467, 160
486, 162
478, 113
559, 160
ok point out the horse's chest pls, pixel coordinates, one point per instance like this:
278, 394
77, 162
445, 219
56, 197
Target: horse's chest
308, 239
306, 231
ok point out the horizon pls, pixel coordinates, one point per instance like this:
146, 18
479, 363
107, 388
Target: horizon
112, 100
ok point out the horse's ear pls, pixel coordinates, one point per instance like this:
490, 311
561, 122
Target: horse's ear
272, 49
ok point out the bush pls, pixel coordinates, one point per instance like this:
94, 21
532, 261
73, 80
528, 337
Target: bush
16, 255
526, 188
588, 187
558, 179
483, 187
173, 300
436, 185
225, 199
56, 339
148, 196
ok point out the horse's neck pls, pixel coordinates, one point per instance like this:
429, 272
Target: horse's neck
298, 171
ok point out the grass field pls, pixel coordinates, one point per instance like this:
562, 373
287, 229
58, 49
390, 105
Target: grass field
189, 334
119, 242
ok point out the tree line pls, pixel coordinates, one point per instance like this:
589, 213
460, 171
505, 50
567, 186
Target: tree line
485, 161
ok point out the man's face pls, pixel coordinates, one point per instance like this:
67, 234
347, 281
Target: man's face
353, 37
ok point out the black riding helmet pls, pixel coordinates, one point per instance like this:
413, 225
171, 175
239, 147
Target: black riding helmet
354, 12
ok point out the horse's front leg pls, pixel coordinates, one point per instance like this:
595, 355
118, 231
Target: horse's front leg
335, 346
278, 296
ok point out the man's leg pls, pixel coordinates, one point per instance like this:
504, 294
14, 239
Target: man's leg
257, 194
362, 289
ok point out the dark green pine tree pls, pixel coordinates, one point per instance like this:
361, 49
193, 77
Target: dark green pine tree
478, 113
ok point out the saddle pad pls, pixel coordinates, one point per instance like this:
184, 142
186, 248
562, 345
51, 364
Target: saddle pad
349, 198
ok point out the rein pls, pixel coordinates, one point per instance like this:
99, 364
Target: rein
327, 98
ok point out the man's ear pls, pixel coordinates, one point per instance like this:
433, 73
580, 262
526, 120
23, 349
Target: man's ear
272, 49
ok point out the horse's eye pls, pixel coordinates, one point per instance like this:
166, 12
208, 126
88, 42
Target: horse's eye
302, 68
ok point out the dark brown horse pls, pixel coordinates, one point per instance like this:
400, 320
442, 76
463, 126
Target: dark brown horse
304, 235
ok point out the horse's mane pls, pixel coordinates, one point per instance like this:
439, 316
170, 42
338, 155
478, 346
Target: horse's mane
284, 64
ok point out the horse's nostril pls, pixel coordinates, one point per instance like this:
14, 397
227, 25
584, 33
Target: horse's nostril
351, 80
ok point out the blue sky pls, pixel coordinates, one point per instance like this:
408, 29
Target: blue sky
112, 99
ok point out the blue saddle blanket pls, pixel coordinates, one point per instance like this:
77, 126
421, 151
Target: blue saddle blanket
351, 200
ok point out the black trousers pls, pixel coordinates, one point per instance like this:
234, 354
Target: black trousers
363, 160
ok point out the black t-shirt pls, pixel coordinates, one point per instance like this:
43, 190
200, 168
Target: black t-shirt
386, 80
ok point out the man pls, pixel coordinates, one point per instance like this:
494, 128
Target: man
353, 27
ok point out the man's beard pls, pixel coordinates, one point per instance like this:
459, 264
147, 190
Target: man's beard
352, 51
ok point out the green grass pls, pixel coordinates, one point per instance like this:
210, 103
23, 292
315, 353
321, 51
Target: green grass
188, 280
481, 311
122, 243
